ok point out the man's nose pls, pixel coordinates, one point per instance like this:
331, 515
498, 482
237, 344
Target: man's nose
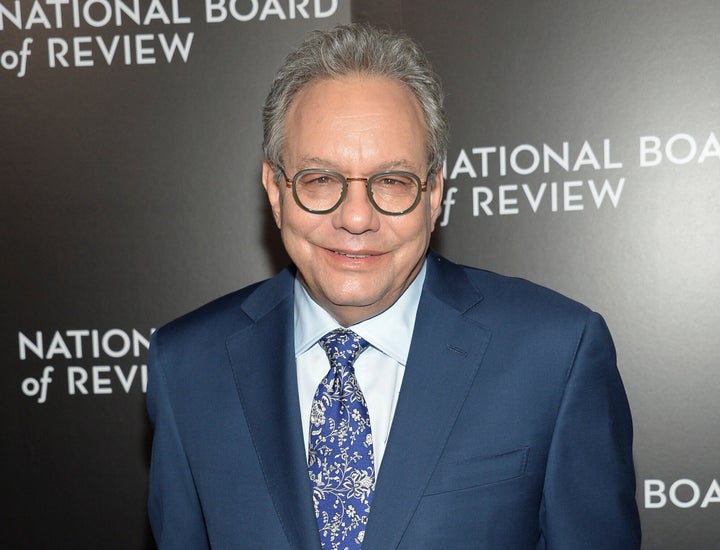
356, 213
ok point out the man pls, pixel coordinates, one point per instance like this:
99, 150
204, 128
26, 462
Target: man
375, 394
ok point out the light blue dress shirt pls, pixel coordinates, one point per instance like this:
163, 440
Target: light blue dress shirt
379, 370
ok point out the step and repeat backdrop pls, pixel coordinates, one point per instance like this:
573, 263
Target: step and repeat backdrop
585, 155
130, 151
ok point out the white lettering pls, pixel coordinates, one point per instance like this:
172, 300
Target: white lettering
126, 44
478, 203
655, 493
108, 53
319, 13
78, 335
607, 163
140, 47
123, 337
671, 153
31, 387
37, 15
95, 343
215, 12
650, 154
176, 45
133, 13
126, 382
679, 149
14, 17
711, 148
143, 377
463, 166
562, 161
447, 204
139, 340
571, 201
483, 152
103, 379
534, 200
694, 489
58, 10
526, 159
83, 57
75, 344
144, 55
58, 56
156, 12
712, 495
535, 156
300, 8
104, 19
177, 18
95, 13
508, 205
58, 347
11, 60
101, 385
24, 343
272, 7
683, 493
606, 190
565, 196
77, 377
586, 157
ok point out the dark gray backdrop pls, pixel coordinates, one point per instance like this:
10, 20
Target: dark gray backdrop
131, 194
532, 73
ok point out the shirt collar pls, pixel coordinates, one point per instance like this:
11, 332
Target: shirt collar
390, 332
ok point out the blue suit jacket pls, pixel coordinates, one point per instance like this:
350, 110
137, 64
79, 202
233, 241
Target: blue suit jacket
512, 429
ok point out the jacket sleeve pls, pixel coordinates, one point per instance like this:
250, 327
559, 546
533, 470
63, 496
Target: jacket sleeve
589, 491
174, 508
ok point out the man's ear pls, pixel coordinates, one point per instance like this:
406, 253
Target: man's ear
272, 188
436, 194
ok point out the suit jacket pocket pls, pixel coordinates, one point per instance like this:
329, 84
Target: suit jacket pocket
477, 471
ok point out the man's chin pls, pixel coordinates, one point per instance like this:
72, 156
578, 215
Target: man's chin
354, 302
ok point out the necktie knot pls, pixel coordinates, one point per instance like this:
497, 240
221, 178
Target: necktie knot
342, 347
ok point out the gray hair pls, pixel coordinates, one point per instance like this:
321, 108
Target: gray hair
353, 49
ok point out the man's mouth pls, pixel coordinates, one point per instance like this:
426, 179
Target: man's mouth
350, 255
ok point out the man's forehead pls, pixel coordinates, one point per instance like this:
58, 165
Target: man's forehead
360, 80
371, 119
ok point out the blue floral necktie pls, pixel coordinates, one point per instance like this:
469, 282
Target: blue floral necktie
340, 460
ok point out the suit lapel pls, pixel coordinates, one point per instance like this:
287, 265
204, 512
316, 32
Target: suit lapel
263, 359
445, 354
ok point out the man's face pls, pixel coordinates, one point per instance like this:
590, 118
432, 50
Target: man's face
355, 262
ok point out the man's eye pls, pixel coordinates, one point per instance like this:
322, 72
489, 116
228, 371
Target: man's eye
320, 179
394, 182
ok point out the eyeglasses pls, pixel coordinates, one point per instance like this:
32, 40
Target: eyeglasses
320, 191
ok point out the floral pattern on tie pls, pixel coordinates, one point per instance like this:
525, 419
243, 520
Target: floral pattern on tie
340, 458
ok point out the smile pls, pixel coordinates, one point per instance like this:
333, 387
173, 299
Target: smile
353, 256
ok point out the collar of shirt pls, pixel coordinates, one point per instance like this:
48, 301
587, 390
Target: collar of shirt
389, 332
